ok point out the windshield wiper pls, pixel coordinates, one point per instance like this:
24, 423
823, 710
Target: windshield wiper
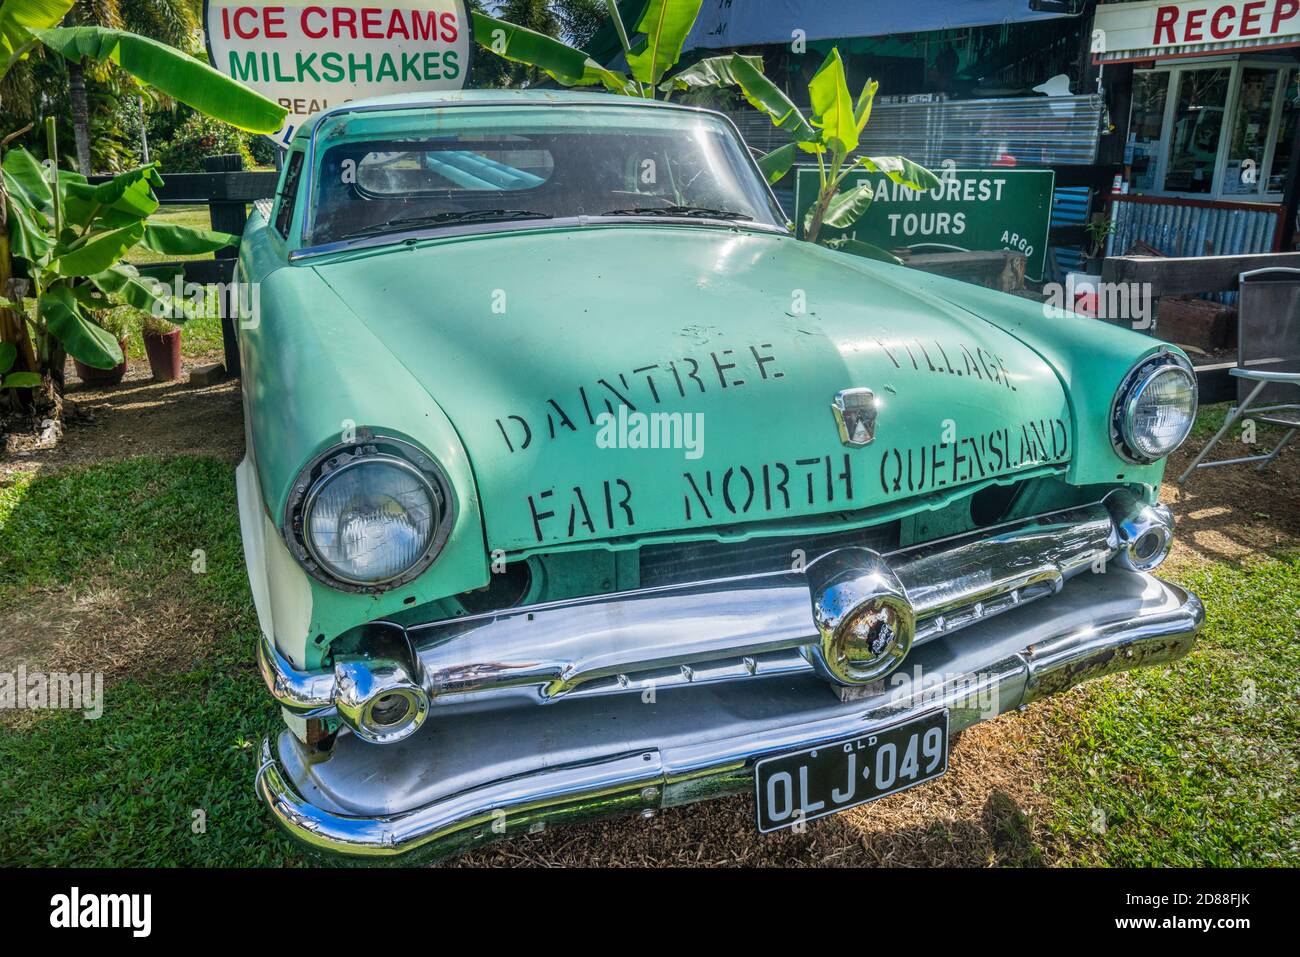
447, 219
694, 212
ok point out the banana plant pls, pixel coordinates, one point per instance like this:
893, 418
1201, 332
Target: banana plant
832, 133
661, 31
73, 236
8, 355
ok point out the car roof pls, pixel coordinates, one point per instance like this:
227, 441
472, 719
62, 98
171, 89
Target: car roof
432, 99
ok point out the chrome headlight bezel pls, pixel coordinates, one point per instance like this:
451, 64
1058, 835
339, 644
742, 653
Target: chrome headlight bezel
367, 448
1125, 402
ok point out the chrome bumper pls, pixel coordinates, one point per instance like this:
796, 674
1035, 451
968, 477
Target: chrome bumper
718, 631
489, 771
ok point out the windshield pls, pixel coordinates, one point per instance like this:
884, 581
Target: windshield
393, 171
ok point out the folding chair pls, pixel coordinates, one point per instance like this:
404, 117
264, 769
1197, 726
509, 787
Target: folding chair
1268, 362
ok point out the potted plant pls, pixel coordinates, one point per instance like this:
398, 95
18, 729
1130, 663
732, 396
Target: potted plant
117, 323
1083, 288
162, 344
1099, 229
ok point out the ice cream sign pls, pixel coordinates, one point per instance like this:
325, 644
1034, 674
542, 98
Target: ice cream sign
311, 56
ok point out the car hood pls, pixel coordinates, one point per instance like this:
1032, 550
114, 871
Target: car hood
728, 346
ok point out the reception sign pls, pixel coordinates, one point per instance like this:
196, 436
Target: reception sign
1163, 29
310, 56
980, 209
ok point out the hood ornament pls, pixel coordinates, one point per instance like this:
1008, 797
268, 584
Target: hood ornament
855, 414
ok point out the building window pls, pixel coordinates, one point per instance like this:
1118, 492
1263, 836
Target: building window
1197, 126
1150, 89
1288, 110
1217, 131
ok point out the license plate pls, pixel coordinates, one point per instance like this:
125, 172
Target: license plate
804, 785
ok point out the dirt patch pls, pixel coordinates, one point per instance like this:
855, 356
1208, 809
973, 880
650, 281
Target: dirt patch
117, 628
1233, 513
137, 417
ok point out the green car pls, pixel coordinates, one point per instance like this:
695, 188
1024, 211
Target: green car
577, 486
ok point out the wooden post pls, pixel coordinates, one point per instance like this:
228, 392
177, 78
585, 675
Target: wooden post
228, 216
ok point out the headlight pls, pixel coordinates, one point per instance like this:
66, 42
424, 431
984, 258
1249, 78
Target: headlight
1154, 409
370, 516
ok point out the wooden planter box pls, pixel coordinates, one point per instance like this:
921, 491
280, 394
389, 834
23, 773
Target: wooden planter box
1202, 323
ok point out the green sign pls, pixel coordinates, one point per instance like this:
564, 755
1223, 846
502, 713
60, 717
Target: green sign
980, 209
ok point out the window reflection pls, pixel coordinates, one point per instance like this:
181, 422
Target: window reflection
1243, 172
1197, 127
1149, 93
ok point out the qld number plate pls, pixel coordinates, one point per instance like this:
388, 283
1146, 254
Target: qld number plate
809, 784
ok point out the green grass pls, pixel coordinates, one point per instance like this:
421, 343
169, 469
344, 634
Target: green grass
195, 217
1196, 763
1193, 764
122, 790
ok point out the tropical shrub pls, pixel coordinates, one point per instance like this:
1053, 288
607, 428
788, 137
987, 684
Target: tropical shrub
198, 137
70, 237
661, 31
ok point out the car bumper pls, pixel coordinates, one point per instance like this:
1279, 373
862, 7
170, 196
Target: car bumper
483, 772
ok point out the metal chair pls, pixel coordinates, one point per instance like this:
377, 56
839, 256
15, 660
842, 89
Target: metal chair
1268, 362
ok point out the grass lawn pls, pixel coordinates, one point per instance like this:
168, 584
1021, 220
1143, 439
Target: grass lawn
1192, 764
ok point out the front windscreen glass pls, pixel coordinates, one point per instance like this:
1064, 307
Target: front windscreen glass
391, 172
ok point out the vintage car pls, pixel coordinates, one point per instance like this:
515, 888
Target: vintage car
576, 485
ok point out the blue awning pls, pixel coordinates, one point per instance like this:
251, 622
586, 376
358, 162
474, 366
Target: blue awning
740, 23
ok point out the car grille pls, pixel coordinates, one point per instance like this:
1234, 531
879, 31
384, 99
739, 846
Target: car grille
677, 564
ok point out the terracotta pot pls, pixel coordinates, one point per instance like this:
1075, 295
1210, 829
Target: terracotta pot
100, 377
164, 350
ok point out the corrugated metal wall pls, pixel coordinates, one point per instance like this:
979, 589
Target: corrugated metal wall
1069, 208
1035, 131
1177, 229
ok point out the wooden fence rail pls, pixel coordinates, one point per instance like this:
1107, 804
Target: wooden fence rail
226, 189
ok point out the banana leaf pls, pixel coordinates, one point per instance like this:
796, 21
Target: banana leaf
559, 61
24, 175
81, 338
902, 171
709, 72
665, 24
846, 208
20, 380
124, 283
170, 71
765, 95
777, 163
97, 252
18, 18
29, 235
172, 240
866, 99
832, 105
